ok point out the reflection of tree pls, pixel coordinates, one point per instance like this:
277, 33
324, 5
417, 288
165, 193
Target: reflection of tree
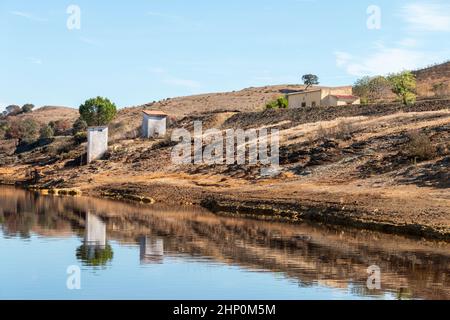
404, 294
19, 223
94, 255
95, 251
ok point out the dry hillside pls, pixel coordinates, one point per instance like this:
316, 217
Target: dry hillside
46, 114
384, 167
438, 75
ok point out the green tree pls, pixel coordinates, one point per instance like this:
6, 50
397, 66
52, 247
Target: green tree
361, 89
98, 111
27, 107
404, 86
13, 109
46, 132
371, 89
310, 80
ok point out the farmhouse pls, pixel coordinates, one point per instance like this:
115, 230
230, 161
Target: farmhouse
97, 143
154, 124
337, 96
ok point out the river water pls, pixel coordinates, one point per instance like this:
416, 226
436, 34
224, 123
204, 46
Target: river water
85, 248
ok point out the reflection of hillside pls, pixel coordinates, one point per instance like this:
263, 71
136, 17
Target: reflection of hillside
306, 254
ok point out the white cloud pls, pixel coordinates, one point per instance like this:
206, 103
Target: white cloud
28, 16
386, 60
429, 17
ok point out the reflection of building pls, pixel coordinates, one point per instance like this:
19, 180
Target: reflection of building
151, 250
95, 233
94, 251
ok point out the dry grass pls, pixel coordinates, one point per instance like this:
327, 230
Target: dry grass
420, 146
342, 131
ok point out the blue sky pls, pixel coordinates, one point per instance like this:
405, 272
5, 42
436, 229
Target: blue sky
138, 51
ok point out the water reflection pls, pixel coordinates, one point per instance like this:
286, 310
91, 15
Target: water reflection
151, 250
312, 256
94, 251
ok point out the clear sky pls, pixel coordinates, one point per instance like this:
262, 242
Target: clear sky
134, 52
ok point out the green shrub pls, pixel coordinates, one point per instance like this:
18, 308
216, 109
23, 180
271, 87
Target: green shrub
60, 127
79, 126
26, 130
280, 103
46, 132
272, 105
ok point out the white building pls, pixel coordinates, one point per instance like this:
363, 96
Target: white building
97, 143
338, 96
154, 124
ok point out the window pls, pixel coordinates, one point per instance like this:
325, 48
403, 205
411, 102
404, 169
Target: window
303, 104
313, 104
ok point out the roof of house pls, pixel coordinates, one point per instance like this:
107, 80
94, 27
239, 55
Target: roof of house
345, 97
155, 113
303, 92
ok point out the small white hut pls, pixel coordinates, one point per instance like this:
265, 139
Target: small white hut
97, 143
154, 124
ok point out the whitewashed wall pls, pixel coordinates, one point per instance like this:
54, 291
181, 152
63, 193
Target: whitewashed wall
153, 126
97, 143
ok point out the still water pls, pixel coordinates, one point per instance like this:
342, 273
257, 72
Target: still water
126, 251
